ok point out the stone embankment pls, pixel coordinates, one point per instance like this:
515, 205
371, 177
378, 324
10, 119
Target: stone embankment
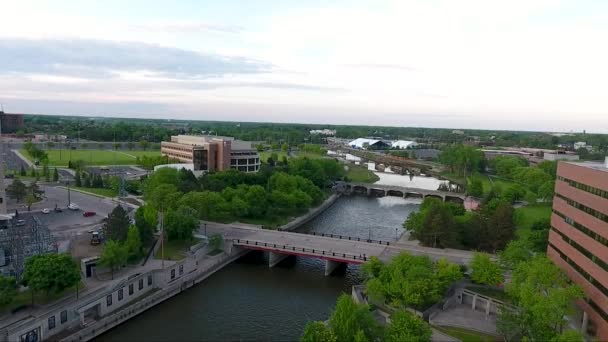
311, 214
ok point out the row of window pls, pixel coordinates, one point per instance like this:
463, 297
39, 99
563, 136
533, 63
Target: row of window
584, 251
244, 161
250, 168
172, 147
140, 286
595, 236
63, 317
582, 272
582, 207
597, 309
585, 187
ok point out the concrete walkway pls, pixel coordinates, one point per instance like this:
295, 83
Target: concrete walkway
462, 316
25, 160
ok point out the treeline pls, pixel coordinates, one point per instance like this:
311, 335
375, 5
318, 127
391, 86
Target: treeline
540, 179
267, 197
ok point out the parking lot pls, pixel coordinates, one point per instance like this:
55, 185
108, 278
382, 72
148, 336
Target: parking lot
120, 171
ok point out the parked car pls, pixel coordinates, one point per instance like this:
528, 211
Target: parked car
57, 210
20, 223
46, 211
73, 206
88, 213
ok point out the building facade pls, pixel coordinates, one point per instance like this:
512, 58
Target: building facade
578, 240
10, 123
212, 153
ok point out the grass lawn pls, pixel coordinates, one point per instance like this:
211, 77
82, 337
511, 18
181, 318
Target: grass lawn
174, 250
467, 335
265, 155
93, 157
359, 174
526, 216
311, 155
40, 298
99, 191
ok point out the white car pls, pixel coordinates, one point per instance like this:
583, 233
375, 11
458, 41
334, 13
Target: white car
46, 211
73, 206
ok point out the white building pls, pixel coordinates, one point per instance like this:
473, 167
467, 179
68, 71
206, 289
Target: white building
581, 144
560, 156
403, 144
327, 132
365, 143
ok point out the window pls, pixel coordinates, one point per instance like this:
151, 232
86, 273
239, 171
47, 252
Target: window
141, 283
120, 294
109, 300
587, 231
51, 322
590, 211
582, 272
584, 187
583, 250
130, 289
173, 274
181, 269
149, 280
64, 316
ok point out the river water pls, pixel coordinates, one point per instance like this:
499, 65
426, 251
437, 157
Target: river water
249, 301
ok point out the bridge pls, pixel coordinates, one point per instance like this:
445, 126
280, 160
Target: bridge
412, 166
398, 191
335, 251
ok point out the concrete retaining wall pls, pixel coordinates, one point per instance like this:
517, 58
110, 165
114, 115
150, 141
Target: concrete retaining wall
311, 214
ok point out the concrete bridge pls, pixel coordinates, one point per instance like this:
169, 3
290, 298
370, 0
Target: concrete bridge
335, 251
378, 190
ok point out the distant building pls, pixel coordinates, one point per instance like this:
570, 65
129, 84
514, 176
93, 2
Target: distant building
212, 153
578, 240
327, 132
403, 144
368, 143
11, 123
581, 144
458, 132
560, 155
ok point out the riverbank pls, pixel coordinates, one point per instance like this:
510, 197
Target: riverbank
311, 214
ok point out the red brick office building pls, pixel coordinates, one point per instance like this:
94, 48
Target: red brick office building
578, 241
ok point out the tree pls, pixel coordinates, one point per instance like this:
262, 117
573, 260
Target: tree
8, 289
133, 243
55, 175
516, 252
475, 188
117, 224
146, 221
180, 224
433, 225
485, 271
348, 318
405, 326
130, 145
51, 272
16, 190
504, 165
29, 200
463, 160
285, 147
544, 297
546, 191
113, 255
569, 336
144, 144
550, 167
502, 226
216, 241
317, 332
22, 171
77, 179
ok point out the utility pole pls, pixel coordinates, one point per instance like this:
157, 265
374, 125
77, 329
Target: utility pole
69, 199
162, 238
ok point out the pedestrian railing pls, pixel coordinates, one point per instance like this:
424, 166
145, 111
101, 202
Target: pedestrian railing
351, 238
314, 251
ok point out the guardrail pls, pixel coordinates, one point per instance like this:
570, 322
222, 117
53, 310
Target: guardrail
351, 238
314, 251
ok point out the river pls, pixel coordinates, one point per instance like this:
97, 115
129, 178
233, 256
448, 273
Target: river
249, 301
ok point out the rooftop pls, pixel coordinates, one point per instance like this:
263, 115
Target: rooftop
592, 165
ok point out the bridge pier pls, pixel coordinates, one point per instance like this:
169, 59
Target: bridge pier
330, 266
275, 258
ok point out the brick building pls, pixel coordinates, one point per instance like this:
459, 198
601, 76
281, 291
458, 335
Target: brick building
10, 123
212, 153
578, 240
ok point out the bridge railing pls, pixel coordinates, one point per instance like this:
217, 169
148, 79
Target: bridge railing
286, 248
351, 238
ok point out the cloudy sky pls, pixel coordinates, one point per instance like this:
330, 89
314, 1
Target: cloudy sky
518, 64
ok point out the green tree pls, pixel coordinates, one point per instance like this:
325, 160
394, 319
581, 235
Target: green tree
50, 272
539, 236
29, 200
22, 171
516, 252
546, 191
216, 242
180, 224
285, 147
133, 243
114, 255
475, 187
485, 271
16, 190
78, 179
130, 145
544, 297
117, 224
550, 167
463, 160
348, 318
405, 326
144, 144
55, 175
146, 221
433, 225
501, 227
317, 332
8, 289
504, 165
569, 336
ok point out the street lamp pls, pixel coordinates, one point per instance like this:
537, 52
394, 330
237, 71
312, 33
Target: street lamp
67, 183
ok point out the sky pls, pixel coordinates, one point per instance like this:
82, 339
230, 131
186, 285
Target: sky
518, 64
